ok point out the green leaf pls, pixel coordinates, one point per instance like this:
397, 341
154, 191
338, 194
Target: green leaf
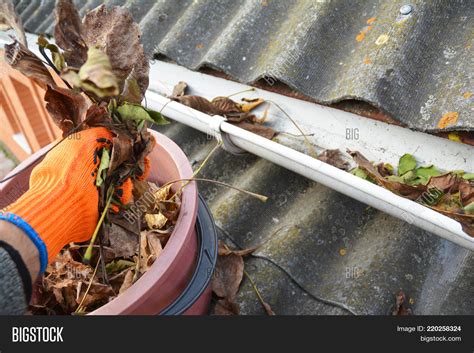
469, 208
468, 176
104, 165
95, 75
407, 162
131, 91
58, 58
396, 178
157, 117
427, 172
118, 265
140, 125
389, 167
135, 112
407, 178
359, 173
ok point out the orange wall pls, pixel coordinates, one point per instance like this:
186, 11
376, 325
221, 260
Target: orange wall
23, 111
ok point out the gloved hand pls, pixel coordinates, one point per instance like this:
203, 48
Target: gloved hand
61, 205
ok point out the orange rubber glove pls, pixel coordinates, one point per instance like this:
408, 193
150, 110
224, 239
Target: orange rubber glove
61, 205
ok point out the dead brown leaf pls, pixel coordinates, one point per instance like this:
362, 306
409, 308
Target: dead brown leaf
116, 34
180, 89
334, 158
225, 250
122, 242
68, 33
67, 108
447, 182
225, 106
22, 59
228, 275
127, 282
137, 82
98, 293
466, 220
383, 170
466, 192
97, 116
155, 221
66, 282
225, 308
122, 151
247, 107
198, 103
150, 250
263, 131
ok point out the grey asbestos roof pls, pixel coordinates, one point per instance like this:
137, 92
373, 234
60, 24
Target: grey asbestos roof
323, 252
416, 67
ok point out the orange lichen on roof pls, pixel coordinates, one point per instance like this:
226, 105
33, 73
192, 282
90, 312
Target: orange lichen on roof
467, 95
371, 20
360, 37
448, 119
367, 60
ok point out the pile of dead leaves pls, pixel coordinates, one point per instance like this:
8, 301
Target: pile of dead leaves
449, 193
238, 114
70, 286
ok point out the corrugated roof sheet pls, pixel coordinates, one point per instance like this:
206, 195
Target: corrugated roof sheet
416, 67
322, 253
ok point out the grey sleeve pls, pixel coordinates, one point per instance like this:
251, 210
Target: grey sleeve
12, 293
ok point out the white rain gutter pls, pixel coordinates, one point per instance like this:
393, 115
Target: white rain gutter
164, 76
379, 142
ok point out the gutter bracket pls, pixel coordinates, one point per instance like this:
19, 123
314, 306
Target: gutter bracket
221, 136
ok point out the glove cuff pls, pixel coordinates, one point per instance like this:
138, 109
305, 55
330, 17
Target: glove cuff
31, 233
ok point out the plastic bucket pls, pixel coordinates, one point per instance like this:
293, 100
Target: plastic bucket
171, 282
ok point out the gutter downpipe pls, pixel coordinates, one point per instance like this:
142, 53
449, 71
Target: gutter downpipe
236, 139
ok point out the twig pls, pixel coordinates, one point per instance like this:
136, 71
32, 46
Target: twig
295, 135
137, 265
102, 257
247, 90
312, 151
88, 253
78, 309
258, 196
209, 155
267, 308
198, 170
